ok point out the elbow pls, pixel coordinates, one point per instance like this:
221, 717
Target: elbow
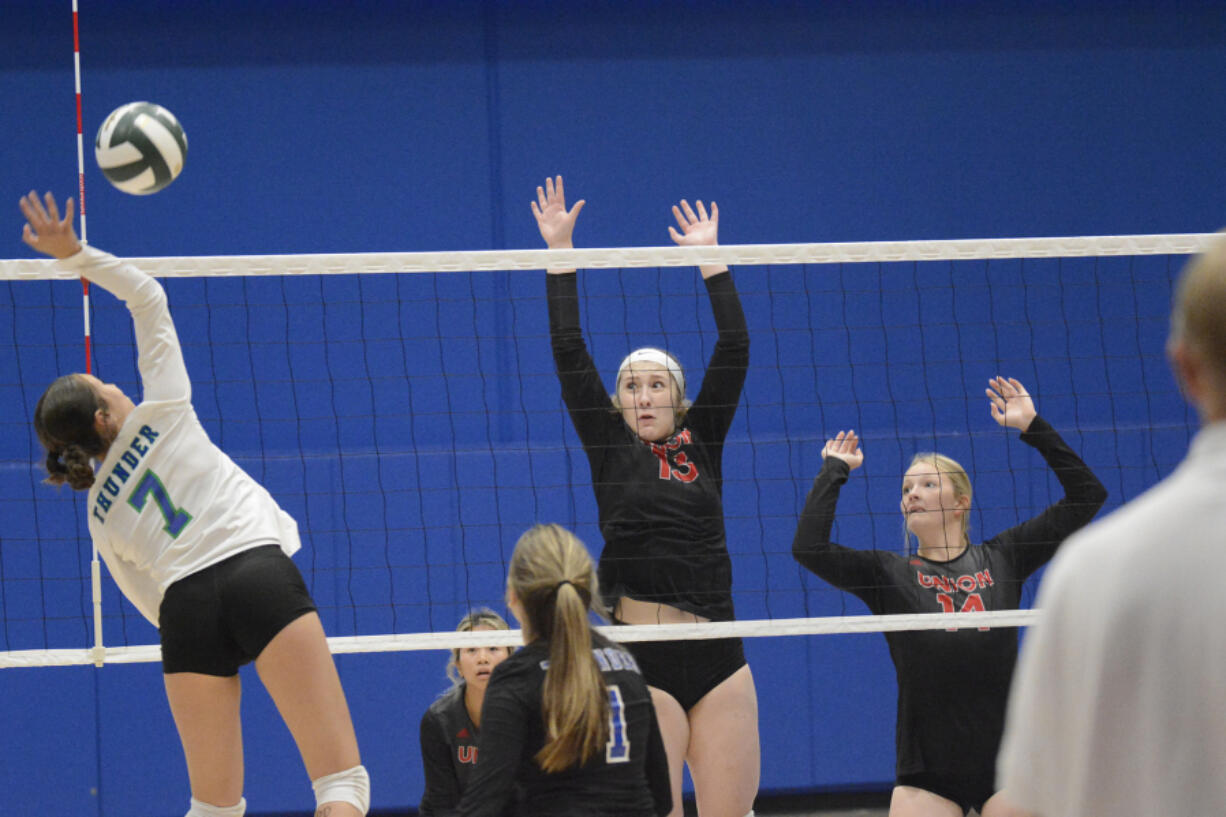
800, 550
1098, 497
150, 296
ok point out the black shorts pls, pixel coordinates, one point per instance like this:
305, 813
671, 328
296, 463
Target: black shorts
688, 670
222, 617
969, 792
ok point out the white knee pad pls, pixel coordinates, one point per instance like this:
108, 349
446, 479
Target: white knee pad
200, 809
351, 786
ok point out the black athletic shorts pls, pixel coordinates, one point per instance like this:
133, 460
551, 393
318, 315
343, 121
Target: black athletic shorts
688, 670
222, 617
969, 792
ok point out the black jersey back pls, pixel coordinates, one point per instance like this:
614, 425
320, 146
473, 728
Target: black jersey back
952, 685
661, 504
448, 753
628, 779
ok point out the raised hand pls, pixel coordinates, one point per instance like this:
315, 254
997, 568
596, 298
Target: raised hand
846, 447
44, 230
555, 222
696, 230
1010, 403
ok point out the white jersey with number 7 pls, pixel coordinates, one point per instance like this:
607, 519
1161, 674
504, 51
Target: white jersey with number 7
167, 502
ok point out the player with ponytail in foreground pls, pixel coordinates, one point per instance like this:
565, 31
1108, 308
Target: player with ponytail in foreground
568, 718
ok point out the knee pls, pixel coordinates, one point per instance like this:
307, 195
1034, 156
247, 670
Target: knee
202, 809
350, 786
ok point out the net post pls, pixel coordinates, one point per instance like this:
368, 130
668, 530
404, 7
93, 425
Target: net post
98, 652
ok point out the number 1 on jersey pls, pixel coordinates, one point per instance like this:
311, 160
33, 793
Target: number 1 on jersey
617, 749
176, 518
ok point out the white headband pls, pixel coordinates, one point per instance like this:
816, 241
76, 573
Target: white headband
659, 357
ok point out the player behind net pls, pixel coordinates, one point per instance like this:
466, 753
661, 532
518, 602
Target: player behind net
568, 725
952, 686
656, 461
197, 545
451, 726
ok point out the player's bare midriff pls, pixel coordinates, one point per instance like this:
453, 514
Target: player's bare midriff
633, 611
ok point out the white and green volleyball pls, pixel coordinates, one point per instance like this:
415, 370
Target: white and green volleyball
140, 148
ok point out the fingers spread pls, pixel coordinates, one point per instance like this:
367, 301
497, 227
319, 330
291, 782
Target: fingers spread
52, 209
681, 222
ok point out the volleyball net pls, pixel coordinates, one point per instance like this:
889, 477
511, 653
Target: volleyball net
404, 408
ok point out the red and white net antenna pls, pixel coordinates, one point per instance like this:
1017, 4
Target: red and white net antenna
95, 569
76, 62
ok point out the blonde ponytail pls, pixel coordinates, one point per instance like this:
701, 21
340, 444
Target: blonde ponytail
554, 579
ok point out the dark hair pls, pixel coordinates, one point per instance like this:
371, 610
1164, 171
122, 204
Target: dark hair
64, 421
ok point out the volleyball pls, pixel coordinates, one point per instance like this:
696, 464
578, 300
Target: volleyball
140, 148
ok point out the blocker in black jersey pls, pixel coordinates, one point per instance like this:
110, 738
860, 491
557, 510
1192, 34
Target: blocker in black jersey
661, 503
448, 753
628, 779
952, 685
657, 472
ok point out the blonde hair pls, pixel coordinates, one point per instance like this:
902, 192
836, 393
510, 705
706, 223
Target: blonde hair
554, 579
1198, 315
950, 469
481, 617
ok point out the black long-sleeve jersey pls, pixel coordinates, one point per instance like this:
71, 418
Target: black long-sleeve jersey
661, 504
629, 779
448, 753
952, 686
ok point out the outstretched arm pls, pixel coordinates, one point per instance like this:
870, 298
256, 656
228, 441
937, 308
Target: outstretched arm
1034, 542
160, 357
582, 390
717, 399
556, 223
846, 568
698, 230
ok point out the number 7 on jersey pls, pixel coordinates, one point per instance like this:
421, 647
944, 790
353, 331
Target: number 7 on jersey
149, 484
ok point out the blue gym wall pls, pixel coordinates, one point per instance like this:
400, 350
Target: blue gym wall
350, 127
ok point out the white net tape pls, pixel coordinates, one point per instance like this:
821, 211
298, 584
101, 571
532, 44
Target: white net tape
772, 254
830, 625
742, 254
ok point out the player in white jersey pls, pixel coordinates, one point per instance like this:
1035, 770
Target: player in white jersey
197, 545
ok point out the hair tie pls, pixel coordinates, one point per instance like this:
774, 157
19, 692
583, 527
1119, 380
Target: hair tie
585, 596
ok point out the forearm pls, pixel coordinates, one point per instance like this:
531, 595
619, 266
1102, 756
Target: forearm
811, 546
1081, 487
726, 370
159, 354
727, 310
582, 389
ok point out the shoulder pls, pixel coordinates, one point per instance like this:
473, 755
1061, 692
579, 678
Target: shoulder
522, 663
444, 704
